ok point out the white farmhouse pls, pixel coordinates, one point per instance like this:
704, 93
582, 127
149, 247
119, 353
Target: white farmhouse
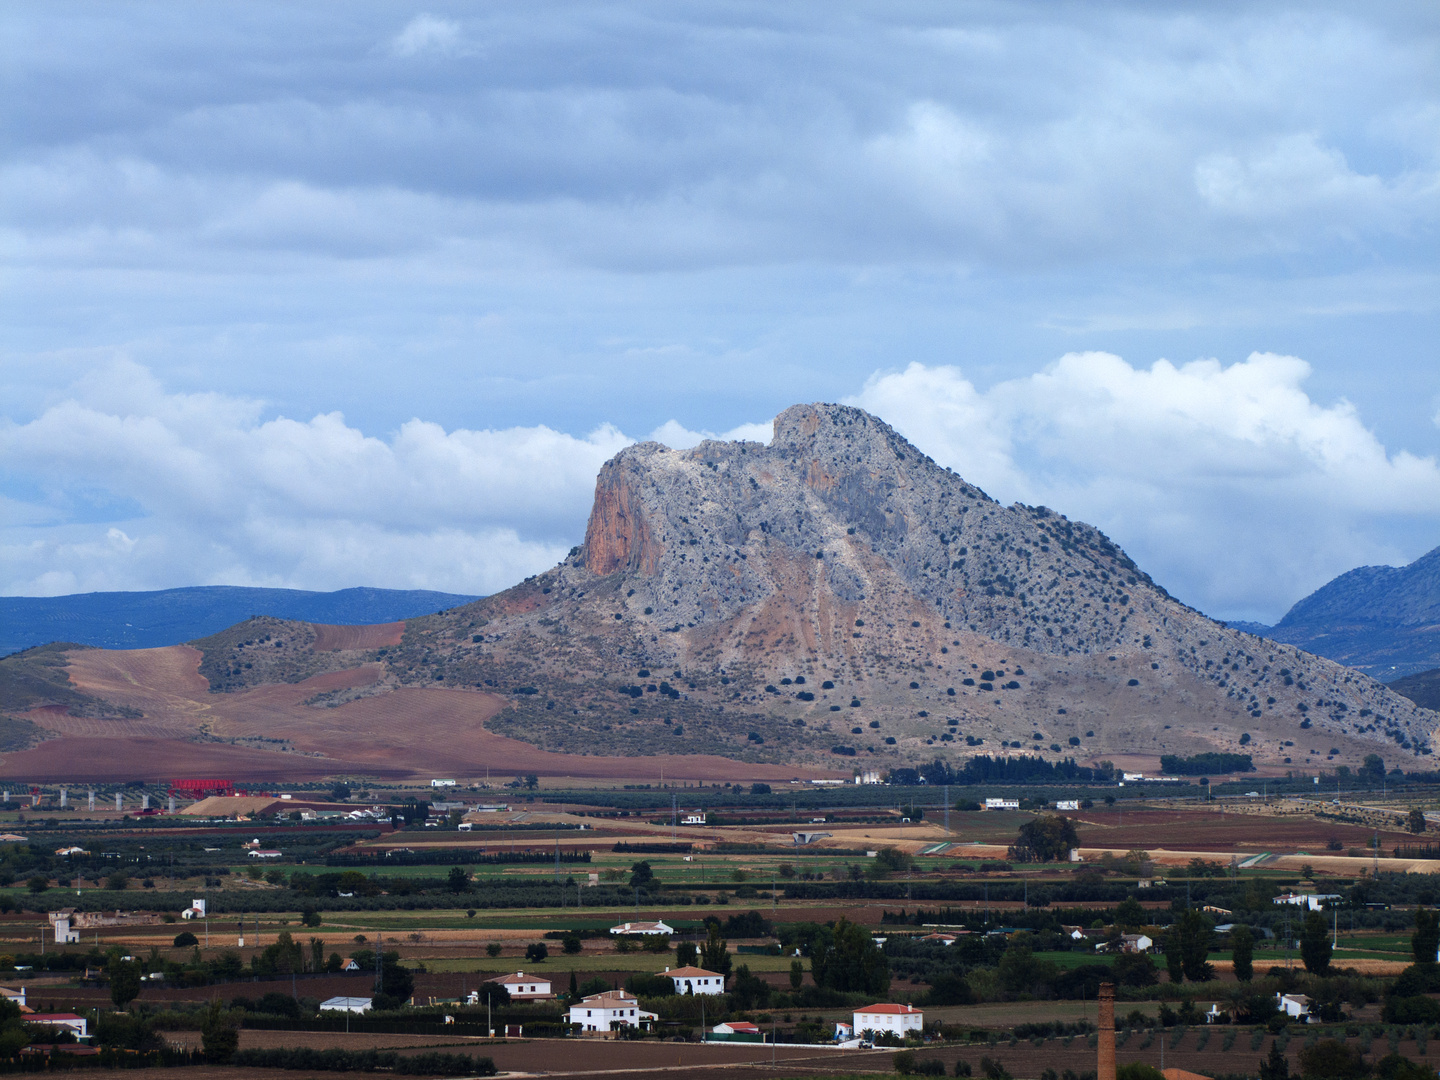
1295, 1006
1067, 804
695, 980
522, 987
655, 929
898, 1020
602, 1013
1002, 804
1309, 901
196, 910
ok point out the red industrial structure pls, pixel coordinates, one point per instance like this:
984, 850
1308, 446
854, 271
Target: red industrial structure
198, 789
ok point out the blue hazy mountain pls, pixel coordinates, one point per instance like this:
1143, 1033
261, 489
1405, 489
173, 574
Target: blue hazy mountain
143, 620
1383, 620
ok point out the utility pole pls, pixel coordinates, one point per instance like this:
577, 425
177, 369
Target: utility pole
947, 809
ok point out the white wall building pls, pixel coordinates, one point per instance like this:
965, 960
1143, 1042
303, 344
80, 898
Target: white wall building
1067, 804
345, 1004
696, 980
1002, 804
522, 987
76, 1024
601, 1013
1310, 901
196, 910
1295, 1006
898, 1020
650, 928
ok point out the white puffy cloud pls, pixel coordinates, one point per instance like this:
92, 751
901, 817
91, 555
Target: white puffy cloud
218, 494
1230, 485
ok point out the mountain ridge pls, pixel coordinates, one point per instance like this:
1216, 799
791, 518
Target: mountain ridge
149, 619
1382, 620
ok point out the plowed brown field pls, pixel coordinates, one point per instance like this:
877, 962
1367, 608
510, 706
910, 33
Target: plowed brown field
379, 636
407, 733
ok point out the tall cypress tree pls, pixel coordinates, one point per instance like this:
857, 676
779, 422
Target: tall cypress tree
1425, 942
1315, 944
1242, 948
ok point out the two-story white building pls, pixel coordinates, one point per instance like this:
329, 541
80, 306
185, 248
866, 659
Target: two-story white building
695, 980
898, 1020
1002, 804
522, 987
602, 1013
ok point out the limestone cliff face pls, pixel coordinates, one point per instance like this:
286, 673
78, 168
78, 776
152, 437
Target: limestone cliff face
837, 586
618, 536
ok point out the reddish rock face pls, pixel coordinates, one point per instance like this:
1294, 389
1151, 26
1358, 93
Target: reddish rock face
618, 536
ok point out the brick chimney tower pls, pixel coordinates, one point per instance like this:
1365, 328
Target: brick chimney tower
1105, 1042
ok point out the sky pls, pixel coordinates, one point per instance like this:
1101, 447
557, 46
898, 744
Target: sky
322, 295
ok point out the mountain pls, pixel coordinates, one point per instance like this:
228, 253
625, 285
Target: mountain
1423, 688
144, 620
829, 600
1382, 620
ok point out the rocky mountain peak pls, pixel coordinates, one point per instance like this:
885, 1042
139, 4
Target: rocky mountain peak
837, 585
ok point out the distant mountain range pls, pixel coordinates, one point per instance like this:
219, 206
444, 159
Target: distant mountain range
1382, 620
145, 620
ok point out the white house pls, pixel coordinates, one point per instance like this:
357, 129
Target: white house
196, 910
350, 965
442, 783
522, 987
943, 939
1067, 804
61, 921
260, 853
345, 1004
1295, 1006
17, 996
655, 929
697, 818
601, 1013
76, 1024
1002, 804
1130, 943
736, 1027
695, 980
896, 1019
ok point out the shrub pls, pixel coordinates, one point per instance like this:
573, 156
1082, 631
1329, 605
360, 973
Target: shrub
185, 939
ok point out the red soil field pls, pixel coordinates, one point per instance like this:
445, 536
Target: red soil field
1193, 830
412, 732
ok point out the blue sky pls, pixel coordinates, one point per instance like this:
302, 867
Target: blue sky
323, 295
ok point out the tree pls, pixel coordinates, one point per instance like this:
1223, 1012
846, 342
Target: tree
532, 781
537, 952
1129, 914
847, 959
574, 989
185, 939
459, 879
1047, 838
686, 954
1374, 768
317, 954
797, 974
124, 982
1416, 820
1135, 969
1315, 944
1174, 956
340, 792
571, 944
1425, 942
14, 1033
117, 881
759, 789
1398, 1067
641, 875
1242, 949
715, 953
38, 884
495, 994
1275, 1066
1330, 1059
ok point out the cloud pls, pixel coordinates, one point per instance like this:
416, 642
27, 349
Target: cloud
1230, 485
426, 33
227, 496
678, 437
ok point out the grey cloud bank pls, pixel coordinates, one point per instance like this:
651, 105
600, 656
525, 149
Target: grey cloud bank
444, 236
